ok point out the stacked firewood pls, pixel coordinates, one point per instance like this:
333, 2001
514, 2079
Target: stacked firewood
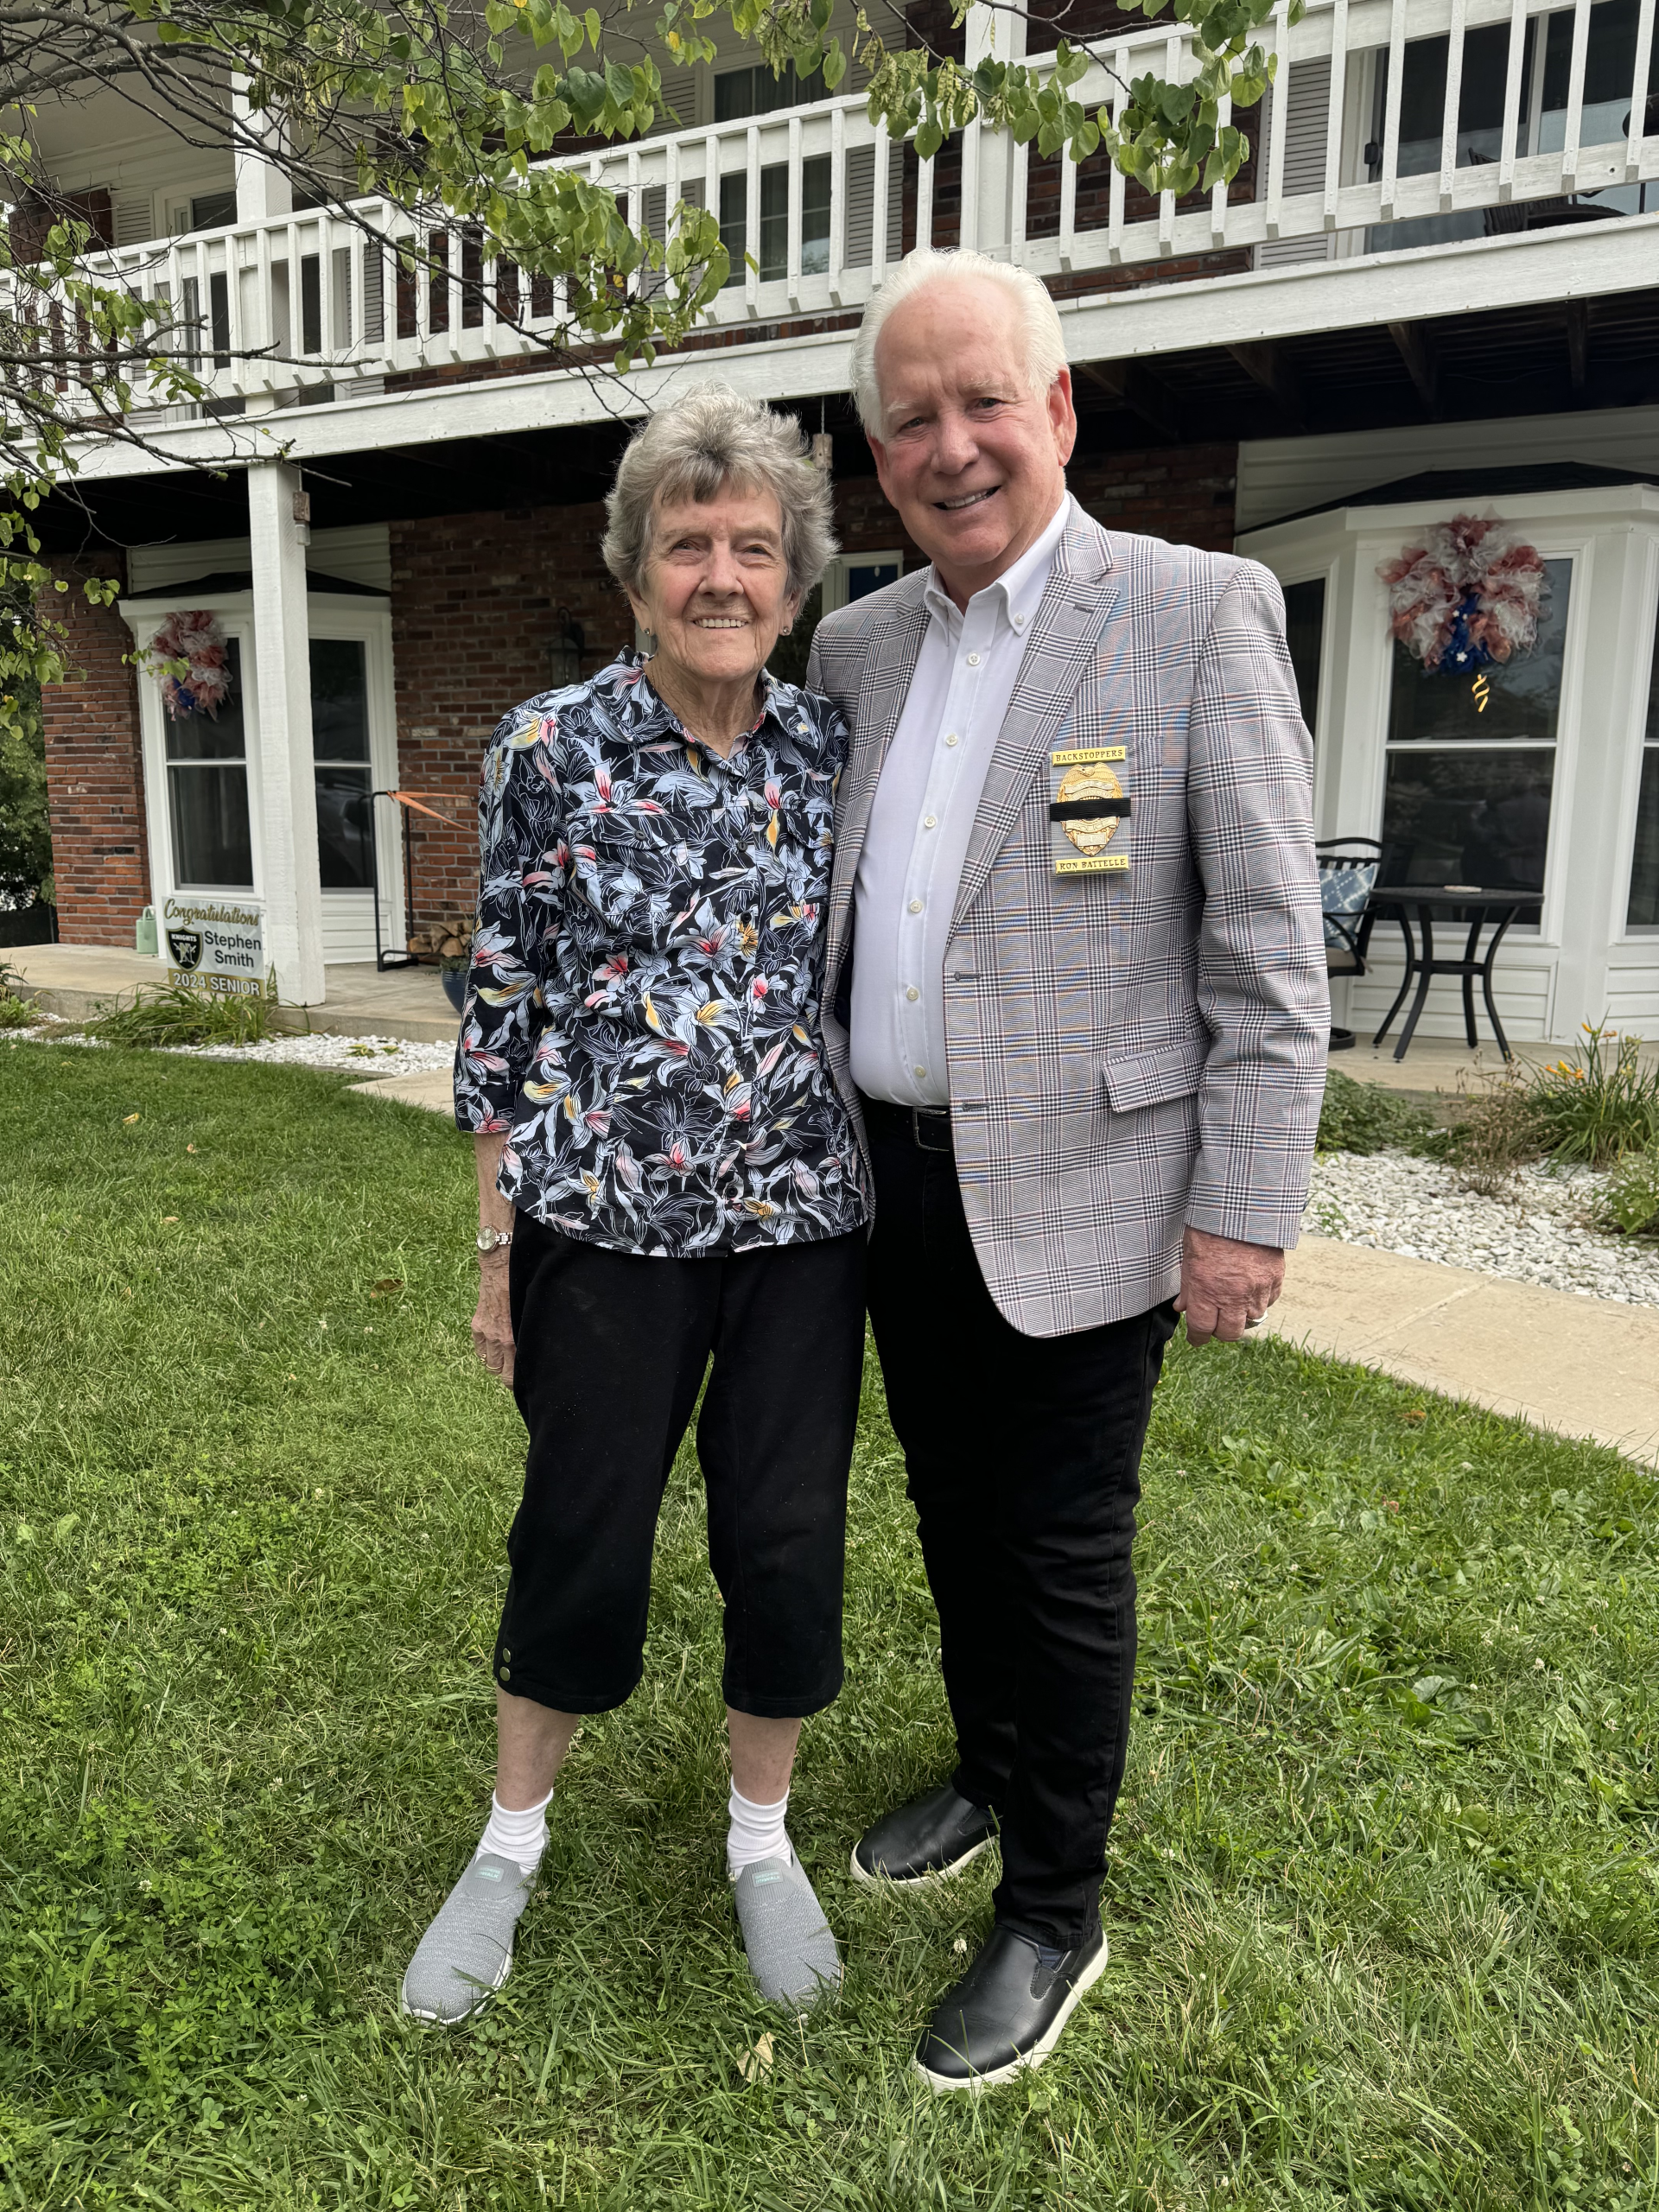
446, 940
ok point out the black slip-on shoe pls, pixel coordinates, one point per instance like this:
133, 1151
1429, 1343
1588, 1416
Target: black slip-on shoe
924, 1841
1007, 2013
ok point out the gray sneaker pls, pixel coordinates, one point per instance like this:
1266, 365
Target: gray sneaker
791, 1953
466, 1953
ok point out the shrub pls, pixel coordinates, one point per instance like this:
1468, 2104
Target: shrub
1629, 1200
1599, 1103
175, 1016
1364, 1117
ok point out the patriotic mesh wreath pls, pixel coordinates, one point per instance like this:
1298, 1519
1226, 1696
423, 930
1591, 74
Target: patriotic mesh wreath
1470, 594
196, 639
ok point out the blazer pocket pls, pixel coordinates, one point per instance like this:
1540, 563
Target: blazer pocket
1150, 1078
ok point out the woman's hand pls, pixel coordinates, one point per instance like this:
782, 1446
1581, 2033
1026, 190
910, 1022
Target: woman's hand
492, 1318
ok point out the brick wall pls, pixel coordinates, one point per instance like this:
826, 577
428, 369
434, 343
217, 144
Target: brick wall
473, 606
94, 768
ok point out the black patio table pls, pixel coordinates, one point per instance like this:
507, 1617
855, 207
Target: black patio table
1456, 901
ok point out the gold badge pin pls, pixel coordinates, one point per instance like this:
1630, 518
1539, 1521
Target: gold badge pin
1089, 833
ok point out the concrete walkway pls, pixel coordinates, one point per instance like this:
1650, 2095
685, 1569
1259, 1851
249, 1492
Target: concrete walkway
75, 980
1585, 1367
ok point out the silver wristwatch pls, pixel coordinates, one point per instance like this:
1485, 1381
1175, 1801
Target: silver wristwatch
493, 1240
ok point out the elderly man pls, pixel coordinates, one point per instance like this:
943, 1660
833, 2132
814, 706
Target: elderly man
1075, 959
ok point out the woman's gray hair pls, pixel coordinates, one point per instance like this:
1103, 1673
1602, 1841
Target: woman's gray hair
695, 447
1045, 340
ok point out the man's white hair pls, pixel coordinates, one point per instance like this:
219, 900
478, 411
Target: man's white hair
1045, 340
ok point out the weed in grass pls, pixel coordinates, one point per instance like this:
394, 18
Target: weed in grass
1381, 1894
172, 1015
1600, 1102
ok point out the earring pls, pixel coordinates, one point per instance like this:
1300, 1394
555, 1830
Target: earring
647, 642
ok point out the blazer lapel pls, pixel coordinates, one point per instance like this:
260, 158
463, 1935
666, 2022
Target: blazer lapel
881, 693
1072, 614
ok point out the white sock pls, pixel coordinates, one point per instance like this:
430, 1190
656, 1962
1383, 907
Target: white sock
756, 1832
520, 1836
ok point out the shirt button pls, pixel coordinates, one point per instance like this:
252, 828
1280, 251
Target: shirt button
973, 660
1018, 621
915, 905
951, 740
912, 993
930, 822
921, 1073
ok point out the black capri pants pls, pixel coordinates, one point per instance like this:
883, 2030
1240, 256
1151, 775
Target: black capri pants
610, 1353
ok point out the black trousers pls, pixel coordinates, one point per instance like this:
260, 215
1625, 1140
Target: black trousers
1023, 1457
611, 1351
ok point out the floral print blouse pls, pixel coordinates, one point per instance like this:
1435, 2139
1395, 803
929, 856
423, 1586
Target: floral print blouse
642, 1012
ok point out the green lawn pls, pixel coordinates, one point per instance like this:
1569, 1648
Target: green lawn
1381, 1897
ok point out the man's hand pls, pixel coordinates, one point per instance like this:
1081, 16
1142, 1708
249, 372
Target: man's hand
492, 1320
1225, 1286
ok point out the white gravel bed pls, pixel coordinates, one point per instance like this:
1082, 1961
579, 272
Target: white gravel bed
1394, 1202
368, 1057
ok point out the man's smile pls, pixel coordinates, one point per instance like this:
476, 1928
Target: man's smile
966, 500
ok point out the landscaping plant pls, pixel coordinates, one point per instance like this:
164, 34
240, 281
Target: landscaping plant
1630, 1198
1499, 1131
1599, 1103
16, 1012
172, 1015
1381, 1895
1367, 1117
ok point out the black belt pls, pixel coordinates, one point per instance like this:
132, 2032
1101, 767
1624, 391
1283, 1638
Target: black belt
928, 1128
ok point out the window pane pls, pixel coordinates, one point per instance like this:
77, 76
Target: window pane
344, 852
774, 223
1523, 695
339, 699
733, 95
211, 847
1305, 635
219, 736
734, 223
1468, 817
815, 216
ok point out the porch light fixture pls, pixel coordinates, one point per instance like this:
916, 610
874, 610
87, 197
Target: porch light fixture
566, 649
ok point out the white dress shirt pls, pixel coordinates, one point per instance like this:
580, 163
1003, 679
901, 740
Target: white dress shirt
923, 817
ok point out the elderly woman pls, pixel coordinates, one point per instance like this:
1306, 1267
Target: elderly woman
664, 1171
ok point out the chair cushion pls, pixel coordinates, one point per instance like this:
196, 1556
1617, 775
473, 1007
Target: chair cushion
1344, 888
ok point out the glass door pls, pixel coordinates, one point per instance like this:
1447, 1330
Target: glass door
208, 792
339, 749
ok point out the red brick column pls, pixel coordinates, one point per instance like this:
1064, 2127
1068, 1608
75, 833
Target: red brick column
473, 603
94, 767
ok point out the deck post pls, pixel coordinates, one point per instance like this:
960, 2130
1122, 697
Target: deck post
989, 164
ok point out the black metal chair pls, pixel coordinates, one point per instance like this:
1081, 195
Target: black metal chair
1349, 867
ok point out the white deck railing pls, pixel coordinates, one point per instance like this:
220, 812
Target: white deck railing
815, 195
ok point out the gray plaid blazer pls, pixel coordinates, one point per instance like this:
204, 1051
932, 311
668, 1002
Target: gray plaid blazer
1131, 1052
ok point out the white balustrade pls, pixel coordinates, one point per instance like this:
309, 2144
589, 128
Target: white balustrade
314, 298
